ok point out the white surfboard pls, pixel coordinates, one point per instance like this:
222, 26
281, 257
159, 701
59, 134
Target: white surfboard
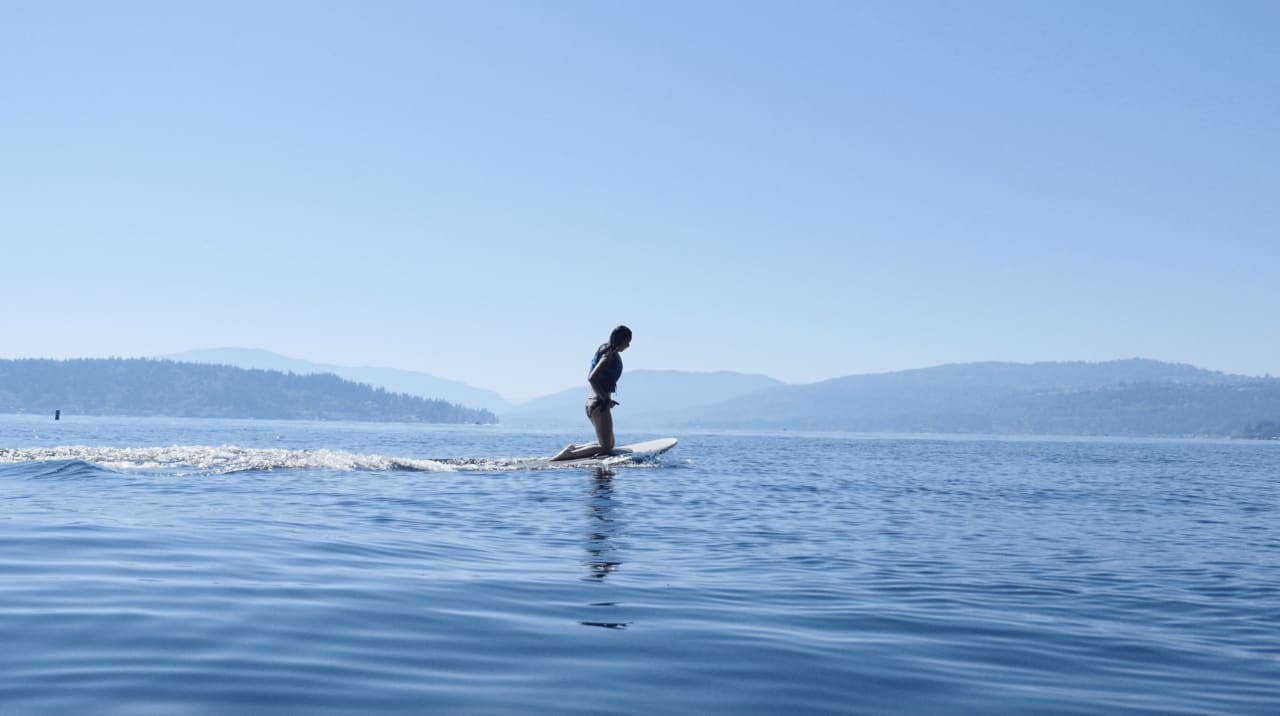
648, 448
635, 451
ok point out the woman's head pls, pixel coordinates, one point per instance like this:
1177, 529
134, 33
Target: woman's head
620, 338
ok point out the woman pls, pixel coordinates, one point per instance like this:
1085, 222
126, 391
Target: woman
606, 369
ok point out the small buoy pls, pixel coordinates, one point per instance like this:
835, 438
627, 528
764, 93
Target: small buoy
57, 415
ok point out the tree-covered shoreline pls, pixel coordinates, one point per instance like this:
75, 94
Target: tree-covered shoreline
144, 386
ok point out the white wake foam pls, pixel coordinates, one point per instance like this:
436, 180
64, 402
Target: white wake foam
219, 460
230, 458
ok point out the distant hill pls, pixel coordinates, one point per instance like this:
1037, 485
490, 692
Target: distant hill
1127, 398
140, 386
1123, 398
423, 385
648, 397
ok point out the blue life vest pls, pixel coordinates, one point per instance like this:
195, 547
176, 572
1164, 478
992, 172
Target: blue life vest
612, 373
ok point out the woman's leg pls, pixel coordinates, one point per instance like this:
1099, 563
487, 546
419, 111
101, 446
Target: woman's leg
602, 420
601, 417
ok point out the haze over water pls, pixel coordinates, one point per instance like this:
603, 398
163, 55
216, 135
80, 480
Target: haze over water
188, 566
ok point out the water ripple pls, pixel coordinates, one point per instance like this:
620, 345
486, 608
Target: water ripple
766, 574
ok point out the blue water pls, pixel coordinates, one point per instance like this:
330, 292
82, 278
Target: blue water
160, 566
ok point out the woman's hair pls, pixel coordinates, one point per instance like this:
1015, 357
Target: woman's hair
620, 336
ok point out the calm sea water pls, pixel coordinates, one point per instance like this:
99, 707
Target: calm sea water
160, 566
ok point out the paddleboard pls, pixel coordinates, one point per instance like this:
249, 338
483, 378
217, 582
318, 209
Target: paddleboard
648, 448
635, 451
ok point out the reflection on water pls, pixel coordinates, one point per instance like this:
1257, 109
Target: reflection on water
602, 554
602, 558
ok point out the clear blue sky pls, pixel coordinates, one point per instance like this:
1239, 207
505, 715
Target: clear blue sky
482, 190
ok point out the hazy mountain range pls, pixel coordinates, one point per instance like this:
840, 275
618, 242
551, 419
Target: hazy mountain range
144, 386
1128, 397
1125, 397
423, 385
